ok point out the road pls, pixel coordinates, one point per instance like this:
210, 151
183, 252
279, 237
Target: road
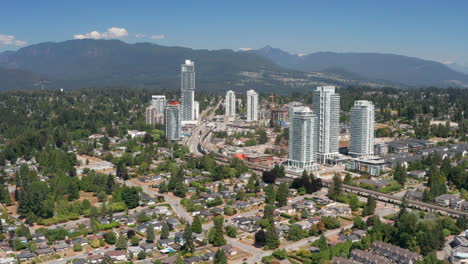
197, 134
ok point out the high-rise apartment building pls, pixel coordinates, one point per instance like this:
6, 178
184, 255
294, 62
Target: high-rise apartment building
188, 90
158, 101
252, 105
302, 139
151, 115
361, 118
172, 123
326, 106
230, 104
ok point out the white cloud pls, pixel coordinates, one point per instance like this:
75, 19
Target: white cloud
140, 35
245, 49
157, 36
113, 32
11, 40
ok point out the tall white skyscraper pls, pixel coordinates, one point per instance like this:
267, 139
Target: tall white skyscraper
188, 90
252, 105
172, 123
158, 101
302, 139
361, 119
326, 105
230, 103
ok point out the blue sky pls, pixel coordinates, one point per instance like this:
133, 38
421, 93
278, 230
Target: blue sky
436, 30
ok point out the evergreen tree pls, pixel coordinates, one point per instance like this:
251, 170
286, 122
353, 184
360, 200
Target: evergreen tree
400, 174
150, 233
188, 246
121, 242
110, 238
271, 238
220, 257
348, 179
110, 183
270, 194
282, 194
335, 190
216, 235
260, 238
197, 225
370, 206
268, 212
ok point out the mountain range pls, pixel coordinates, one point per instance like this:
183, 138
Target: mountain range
396, 69
101, 63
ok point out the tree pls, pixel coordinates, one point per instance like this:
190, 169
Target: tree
196, 225
400, 174
150, 233
220, 257
180, 190
348, 179
110, 238
121, 242
359, 223
231, 231
216, 235
282, 194
110, 184
164, 231
73, 190
271, 238
130, 196
77, 247
335, 190
295, 233
280, 254
268, 212
188, 246
141, 255
121, 170
260, 238
163, 187
369, 209
270, 194
135, 241
95, 243
353, 201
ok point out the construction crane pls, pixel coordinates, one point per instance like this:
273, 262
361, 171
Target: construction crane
272, 97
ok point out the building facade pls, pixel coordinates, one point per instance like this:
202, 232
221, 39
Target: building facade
196, 110
153, 116
173, 118
302, 134
361, 118
326, 106
252, 105
188, 90
230, 103
159, 102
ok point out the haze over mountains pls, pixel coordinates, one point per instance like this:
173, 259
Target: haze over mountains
100, 63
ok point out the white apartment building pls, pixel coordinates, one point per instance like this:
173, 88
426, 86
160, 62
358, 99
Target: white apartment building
361, 130
326, 105
188, 90
159, 102
252, 105
302, 139
230, 104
